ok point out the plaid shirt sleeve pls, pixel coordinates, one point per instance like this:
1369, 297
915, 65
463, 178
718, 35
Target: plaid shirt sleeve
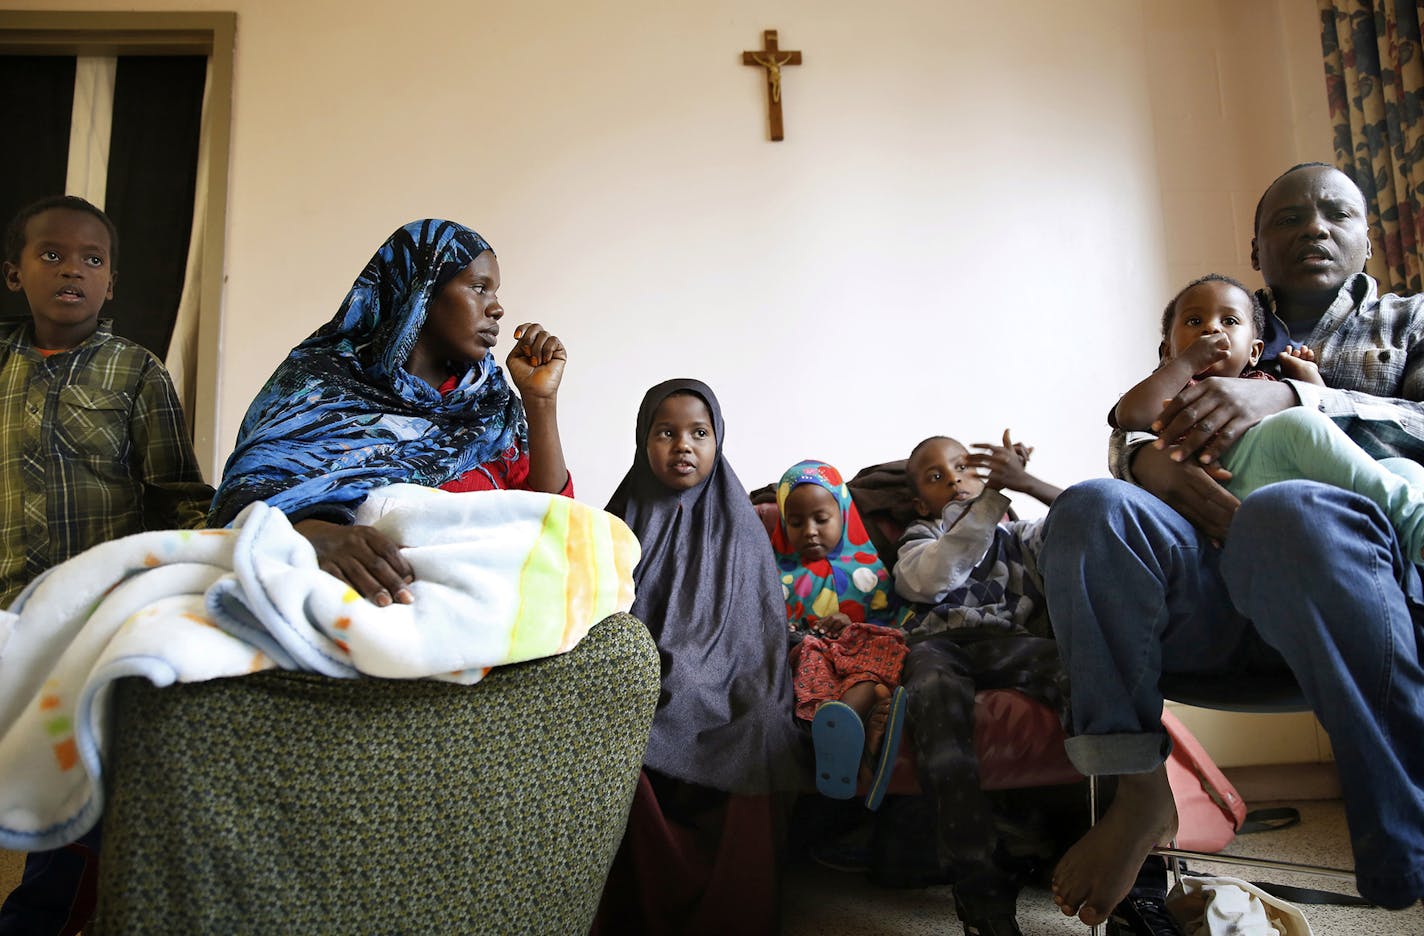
1371, 353
174, 494
1122, 445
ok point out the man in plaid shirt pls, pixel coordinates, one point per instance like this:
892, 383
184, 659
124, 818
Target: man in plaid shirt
93, 446
1298, 577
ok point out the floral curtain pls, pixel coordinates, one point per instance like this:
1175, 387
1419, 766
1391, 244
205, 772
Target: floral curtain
1374, 77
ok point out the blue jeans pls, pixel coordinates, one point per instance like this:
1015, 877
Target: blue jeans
1311, 579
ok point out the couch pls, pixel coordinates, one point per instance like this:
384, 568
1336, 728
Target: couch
1019, 741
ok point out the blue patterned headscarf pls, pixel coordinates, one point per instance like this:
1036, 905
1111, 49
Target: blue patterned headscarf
341, 415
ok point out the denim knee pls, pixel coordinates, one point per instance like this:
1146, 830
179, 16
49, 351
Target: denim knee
1083, 511
1300, 518
1088, 501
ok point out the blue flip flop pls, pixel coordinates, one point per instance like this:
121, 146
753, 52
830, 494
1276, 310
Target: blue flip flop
839, 739
889, 750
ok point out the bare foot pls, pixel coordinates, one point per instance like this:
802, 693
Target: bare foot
1097, 872
875, 722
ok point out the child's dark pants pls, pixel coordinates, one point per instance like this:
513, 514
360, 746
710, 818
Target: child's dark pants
941, 677
56, 894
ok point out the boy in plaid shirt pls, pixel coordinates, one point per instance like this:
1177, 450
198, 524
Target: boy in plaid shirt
93, 446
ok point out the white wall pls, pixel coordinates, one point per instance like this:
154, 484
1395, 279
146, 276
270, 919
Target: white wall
1238, 95
956, 236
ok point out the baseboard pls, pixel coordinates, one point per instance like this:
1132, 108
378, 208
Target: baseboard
1261, 783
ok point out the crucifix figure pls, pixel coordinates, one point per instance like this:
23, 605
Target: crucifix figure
772, 59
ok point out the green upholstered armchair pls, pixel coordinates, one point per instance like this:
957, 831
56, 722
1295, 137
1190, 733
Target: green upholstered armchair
295, 803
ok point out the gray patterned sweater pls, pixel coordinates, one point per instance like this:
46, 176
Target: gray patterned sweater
970, 575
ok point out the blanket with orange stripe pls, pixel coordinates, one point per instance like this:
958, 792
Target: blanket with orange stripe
500, 577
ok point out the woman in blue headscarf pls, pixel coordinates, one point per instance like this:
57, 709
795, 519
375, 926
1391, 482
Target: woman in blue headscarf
400, 386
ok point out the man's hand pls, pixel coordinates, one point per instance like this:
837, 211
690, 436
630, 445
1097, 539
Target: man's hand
1191, 490
362, 557
1206, 419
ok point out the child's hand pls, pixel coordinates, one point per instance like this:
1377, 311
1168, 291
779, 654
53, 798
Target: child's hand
1207, 351
1298, 363
831, 625
536, 363
1004, 463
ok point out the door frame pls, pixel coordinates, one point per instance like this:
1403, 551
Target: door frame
212, 34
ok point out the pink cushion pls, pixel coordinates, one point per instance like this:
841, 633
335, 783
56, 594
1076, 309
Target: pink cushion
1018, 740
769, 515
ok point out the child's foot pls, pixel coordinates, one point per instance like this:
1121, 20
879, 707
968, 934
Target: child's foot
875, 721
1098, 871
892, 729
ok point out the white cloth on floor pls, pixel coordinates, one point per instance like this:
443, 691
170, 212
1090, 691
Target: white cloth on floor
1225, 906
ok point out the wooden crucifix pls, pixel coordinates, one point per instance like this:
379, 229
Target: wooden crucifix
772, 59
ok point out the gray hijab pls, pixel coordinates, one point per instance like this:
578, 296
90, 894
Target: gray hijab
709, 592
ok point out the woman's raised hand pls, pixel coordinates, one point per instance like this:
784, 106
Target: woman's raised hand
362, 557
536, 362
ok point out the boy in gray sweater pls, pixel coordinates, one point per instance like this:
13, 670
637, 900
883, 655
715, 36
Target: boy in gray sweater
980, 625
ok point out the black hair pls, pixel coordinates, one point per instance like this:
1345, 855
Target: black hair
923, 442
914, 483
1256, 225
15, 232
1258, 312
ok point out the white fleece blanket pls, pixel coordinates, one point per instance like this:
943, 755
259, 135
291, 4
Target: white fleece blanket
500, 577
